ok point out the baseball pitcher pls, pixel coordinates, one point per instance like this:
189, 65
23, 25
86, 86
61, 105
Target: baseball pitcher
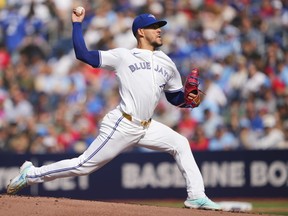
143, 74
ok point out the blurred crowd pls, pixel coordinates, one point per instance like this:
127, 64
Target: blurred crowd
52, 103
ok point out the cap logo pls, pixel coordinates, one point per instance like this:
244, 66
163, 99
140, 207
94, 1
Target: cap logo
150, 15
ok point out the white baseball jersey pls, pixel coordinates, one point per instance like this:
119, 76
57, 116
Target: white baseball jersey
143, 76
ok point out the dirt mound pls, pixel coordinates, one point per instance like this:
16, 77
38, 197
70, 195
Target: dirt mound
44, 206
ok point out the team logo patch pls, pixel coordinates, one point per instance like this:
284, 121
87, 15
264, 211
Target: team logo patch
152, 16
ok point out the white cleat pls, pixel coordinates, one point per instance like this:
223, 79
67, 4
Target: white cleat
19, 182
202, 203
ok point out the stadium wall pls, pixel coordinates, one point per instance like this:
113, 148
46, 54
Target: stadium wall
257, 174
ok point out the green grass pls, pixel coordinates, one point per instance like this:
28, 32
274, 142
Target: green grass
264, 206
271, 207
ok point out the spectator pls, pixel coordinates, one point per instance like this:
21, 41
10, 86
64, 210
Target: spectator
13, 27
199, 141
272, 137
223, 140
283, 71
17, 108
187, 124
256, 80
210, 123
238, 79
284, 144
19, 143
214, 94
246, 135
253, 116
5, 58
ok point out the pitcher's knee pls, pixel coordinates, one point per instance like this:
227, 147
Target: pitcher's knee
83, 167
186, 146
183, 144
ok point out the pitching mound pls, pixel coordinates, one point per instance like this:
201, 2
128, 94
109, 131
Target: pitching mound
44, 206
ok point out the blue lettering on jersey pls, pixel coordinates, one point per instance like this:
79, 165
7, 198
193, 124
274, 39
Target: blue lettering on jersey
140, 65
147, 66
162, 71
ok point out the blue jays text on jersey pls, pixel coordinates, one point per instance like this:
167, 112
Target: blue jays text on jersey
146, 65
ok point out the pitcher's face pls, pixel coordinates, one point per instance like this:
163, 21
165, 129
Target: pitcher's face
152, 34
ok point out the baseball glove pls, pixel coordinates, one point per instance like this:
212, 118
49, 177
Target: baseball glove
191, 86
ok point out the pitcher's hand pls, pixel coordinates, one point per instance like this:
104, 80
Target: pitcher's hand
76, 17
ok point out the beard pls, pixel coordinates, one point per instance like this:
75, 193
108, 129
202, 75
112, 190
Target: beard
156, 44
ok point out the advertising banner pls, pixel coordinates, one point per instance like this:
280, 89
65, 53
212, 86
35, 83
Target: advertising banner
156, 175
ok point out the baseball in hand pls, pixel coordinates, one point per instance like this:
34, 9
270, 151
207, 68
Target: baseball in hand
79, 11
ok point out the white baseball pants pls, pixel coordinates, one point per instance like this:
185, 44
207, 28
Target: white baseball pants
117, 134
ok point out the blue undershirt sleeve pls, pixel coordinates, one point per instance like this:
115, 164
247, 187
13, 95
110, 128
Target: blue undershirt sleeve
176, 98
82, 53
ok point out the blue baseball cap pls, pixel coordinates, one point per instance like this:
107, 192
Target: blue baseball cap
145, 20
